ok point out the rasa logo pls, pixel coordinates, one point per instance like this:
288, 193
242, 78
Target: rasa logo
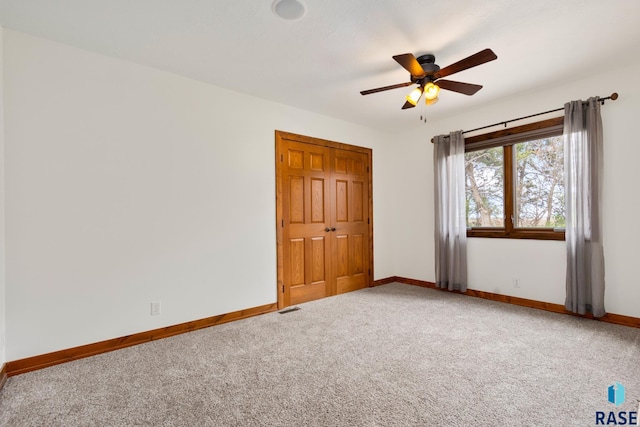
616, 396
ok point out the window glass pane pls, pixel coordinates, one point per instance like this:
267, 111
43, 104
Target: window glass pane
539, 183
485, 187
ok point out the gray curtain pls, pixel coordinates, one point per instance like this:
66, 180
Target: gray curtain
583, 190
450, 212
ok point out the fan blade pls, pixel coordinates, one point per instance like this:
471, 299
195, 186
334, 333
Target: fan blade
407, 105
380, 89
465, 88
468, 62
409, 63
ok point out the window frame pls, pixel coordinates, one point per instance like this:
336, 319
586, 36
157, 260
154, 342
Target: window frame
506, 138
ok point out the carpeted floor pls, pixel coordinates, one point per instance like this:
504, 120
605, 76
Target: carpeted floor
395, 355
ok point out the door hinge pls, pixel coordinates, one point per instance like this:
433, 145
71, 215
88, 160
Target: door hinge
283, 223
368, 220
283, 289
367, 169
282, 157
369, 272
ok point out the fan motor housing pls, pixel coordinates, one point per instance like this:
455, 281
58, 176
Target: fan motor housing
427, 62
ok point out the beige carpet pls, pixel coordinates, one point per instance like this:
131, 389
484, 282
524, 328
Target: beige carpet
395, 355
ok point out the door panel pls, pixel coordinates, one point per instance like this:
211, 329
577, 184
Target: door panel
296, 199
318, 270
295, 159
357, 254
342, 201
317, 200
358, 201
323, 211
296, 261
317, 161
342, 255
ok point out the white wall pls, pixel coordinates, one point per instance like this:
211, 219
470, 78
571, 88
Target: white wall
539, 265
3, 305
126, 185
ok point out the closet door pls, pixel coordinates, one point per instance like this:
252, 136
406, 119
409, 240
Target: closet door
349, 220
306, 226
323, 203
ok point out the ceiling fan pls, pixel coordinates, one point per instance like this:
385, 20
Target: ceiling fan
427, 75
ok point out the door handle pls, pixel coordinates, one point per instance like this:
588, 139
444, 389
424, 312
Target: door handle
327, 229
333, 229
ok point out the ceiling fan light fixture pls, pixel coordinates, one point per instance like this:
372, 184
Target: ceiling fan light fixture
414, 96
424, 72
431, 91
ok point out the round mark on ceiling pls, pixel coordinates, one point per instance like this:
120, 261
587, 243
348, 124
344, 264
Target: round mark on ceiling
289, 9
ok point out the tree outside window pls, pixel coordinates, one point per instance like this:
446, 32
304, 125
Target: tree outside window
539, 183
515, 183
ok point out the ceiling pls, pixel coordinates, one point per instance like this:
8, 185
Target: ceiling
322, 61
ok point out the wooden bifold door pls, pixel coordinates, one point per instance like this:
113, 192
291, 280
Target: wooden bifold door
324, 227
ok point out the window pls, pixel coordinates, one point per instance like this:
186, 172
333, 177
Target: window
515, 182
484, 187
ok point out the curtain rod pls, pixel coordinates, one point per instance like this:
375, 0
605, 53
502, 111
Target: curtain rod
613, 97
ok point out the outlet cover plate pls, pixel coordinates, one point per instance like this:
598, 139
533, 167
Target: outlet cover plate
156, 308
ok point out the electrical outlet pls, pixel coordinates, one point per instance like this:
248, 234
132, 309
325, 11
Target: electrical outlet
516, 283
156, 308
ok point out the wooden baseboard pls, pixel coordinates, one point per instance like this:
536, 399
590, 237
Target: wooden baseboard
3, 375
384, 281
617, 319
28, 364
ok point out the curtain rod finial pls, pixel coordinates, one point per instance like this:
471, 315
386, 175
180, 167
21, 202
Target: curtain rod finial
614, 96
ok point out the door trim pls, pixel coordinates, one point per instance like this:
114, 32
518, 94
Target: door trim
279, 137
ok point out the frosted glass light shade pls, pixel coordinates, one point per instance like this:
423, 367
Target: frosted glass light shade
414, 96
431, 91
